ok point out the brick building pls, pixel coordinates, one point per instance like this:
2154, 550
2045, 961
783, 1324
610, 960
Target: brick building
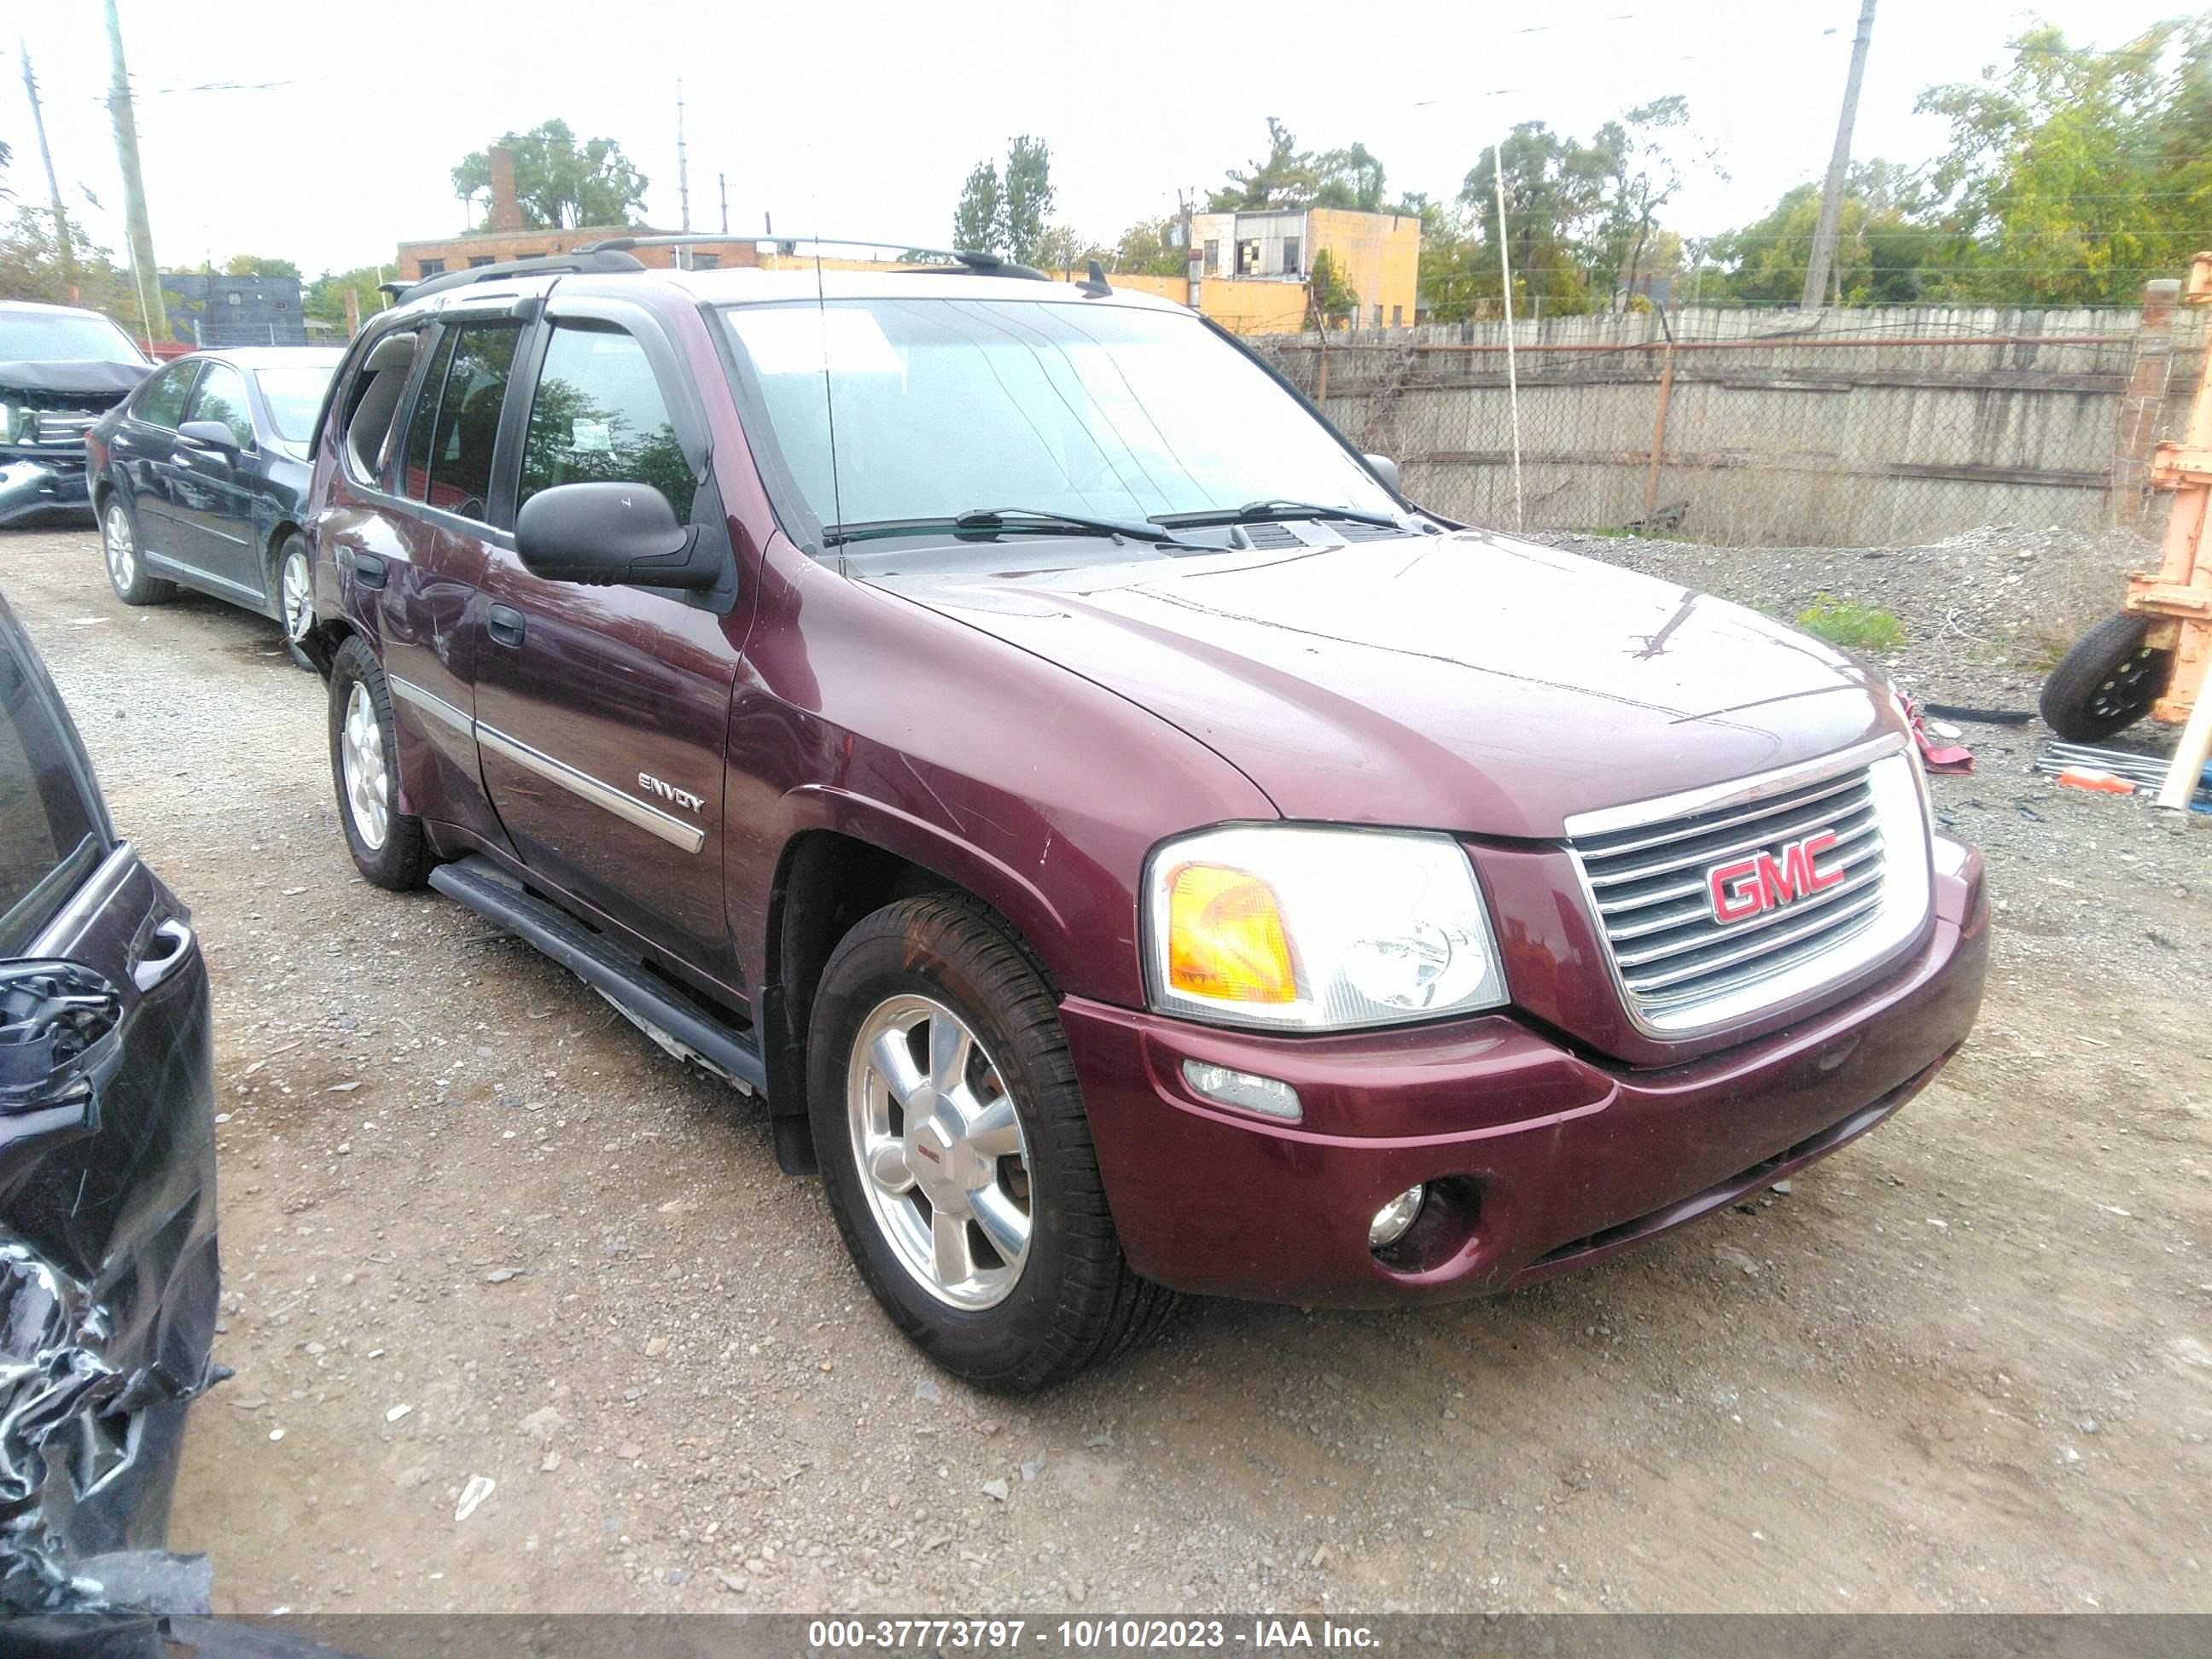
504, 236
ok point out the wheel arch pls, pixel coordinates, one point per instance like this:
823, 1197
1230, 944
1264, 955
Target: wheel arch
828, 876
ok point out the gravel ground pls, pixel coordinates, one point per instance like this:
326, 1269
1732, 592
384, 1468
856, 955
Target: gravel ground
523, 1316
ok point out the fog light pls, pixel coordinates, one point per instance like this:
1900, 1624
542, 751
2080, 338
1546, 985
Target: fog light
1392, 1220
1232, 1088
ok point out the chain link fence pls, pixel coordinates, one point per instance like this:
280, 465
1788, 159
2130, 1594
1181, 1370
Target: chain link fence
1841, 429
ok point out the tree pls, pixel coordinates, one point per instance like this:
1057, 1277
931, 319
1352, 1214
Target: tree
1285, 178
1029, 198
1349, 178
1555, 199
979, 221
325, 301
33, 267
1065, 249
1639, 154
1006, 213
1146, 249
559, 183
1879, 247
1333, 297
248, 265
2072, 175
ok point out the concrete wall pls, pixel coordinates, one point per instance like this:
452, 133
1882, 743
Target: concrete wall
1840, 429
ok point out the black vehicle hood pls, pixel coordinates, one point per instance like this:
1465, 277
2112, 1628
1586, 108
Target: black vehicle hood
111, 379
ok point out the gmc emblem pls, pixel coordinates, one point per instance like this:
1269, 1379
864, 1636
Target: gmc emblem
1747, 887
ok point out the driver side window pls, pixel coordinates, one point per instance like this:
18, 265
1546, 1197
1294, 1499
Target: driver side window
599, 418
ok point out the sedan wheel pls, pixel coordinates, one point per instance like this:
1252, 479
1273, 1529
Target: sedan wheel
122, 548
940, 1152
367, 783
126, 567
295, 592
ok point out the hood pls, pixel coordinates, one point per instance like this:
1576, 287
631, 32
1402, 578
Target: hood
106, 382
1462, 682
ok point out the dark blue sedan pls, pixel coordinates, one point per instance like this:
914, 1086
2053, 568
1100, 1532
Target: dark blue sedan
198, 477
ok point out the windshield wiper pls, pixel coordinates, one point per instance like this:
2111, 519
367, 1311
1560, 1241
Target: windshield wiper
1276, 509
1019, 518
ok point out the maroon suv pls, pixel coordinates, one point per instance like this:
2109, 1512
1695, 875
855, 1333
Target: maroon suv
1127, 846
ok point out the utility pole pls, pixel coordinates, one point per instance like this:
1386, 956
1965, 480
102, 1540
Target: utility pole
722, 184
138, 229
1832, 192
683, 177
53, 184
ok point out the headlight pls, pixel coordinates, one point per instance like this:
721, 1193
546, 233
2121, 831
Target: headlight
1317, 929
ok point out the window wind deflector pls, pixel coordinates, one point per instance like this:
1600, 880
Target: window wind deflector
990, 520
1273, 511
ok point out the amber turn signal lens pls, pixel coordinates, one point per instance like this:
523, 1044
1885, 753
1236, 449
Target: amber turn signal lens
1225, 937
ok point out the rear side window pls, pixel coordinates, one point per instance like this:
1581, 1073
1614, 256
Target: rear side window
369, 401
220, 395
161, 401
456, 472
49, 833
599, 418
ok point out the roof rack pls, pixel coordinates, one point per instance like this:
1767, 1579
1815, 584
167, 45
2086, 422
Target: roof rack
598, 257
967, 259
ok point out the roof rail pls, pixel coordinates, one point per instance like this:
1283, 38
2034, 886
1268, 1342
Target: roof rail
580, 262
975, 263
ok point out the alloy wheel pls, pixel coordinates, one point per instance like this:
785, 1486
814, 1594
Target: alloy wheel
360, 753
122, 548
941, 1152
296, 595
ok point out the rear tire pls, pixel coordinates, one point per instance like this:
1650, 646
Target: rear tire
388, 846
293, 589
126, 564
2107, 682
943, 962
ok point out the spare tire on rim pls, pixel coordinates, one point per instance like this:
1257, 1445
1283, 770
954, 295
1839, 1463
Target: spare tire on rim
2107, 682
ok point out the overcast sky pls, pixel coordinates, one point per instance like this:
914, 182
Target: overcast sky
862, 118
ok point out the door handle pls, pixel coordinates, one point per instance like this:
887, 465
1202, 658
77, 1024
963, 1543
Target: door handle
504, 623
367, 570
149, 969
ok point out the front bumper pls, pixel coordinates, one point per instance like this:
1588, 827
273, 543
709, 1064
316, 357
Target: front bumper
1538, 1157
43, 491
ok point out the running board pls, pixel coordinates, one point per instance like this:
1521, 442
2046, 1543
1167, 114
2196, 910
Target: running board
662, 1013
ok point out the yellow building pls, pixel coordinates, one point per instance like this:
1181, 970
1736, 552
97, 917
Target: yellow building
1378, 255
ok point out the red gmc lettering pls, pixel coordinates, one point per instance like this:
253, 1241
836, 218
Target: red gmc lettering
1750, 885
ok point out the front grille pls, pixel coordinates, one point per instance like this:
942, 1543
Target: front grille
1651, 885
60, 426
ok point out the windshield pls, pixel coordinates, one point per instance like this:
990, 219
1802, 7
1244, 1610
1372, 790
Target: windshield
65, 336
293, 396
944, 406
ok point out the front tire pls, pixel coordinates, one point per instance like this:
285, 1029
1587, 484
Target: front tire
2107, 682
957, 1155
387, 845
126, 566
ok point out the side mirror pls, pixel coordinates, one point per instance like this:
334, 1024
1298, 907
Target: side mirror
210, 434
602, 534
1385, 471
57, 1023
